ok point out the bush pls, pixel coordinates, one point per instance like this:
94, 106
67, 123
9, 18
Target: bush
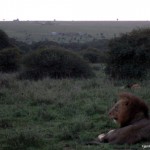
4, 40
54, 62
94, 55
43, 44
24, 47
129, 55
9, 59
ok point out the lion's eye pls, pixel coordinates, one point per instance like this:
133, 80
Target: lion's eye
116, 109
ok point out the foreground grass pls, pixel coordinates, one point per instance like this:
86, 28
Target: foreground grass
58, 114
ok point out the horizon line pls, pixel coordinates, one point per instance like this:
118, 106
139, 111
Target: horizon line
117, 20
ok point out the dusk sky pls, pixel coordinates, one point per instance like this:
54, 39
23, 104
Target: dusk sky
92, 10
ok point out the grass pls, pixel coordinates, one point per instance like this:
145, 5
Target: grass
59, 114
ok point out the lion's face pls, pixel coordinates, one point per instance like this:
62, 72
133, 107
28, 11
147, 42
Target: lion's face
129, 108
120, 111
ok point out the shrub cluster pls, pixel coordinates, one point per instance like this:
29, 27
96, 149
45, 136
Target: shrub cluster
129, 55
54, 62
49, 60
9, 59
4, 40
9, 55
94, 55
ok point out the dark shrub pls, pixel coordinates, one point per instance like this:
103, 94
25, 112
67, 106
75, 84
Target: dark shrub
43, 44
94, 55
129, 55
24, 47
9, 59
54, 62
4, 40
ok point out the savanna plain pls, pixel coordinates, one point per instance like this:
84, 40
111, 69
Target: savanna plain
68, 31
60, 114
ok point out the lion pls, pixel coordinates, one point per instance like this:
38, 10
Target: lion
132, 114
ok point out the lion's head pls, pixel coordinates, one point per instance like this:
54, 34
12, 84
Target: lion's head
128, 109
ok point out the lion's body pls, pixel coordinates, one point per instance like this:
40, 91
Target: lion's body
139, 131
132, 114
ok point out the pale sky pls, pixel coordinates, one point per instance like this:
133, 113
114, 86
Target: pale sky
92, 10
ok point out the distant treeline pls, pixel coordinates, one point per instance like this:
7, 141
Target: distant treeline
101, 45
48, 58
127, 56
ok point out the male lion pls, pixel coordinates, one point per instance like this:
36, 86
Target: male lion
132, 114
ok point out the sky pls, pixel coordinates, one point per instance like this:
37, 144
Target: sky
75, 10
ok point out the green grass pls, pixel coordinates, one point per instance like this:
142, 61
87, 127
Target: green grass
29, 31
59, 114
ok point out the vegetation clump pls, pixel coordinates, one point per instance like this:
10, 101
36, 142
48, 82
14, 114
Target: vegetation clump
129, 55
93, 55
9, 59
55, 62
4, 40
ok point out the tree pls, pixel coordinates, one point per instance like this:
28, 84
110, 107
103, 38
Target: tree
4, 40
129, 55
54, 62
9, 59
94, 55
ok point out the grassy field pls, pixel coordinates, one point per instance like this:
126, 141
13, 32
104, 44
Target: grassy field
62, 114
68, 31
